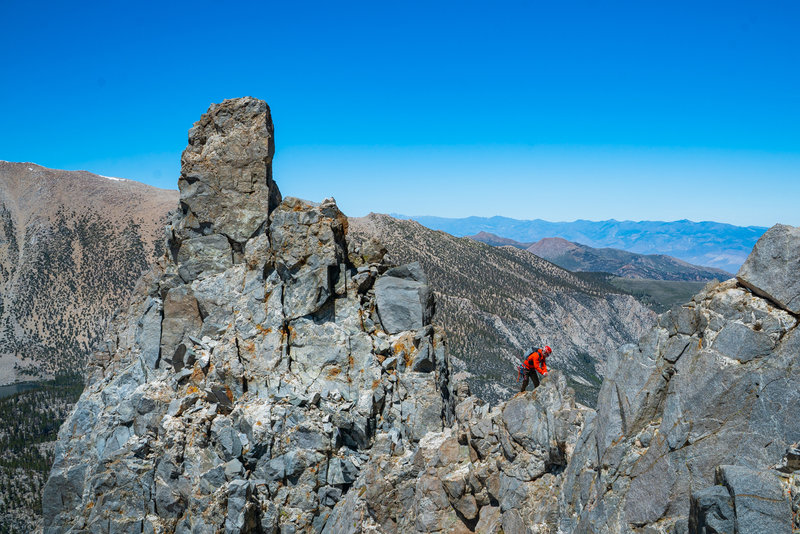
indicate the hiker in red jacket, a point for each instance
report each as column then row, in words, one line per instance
column 536, row 362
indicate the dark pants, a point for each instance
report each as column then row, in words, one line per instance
column 529, row 374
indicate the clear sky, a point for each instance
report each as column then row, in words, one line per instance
column 553, row 110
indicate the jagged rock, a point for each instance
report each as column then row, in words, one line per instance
column 445, row 486
column 245, row 388
column 759, row 500
column 226, row 171
column 295, row 391
column 771, row 269
column 307, row 240
column 711, row 511
column 711, row 385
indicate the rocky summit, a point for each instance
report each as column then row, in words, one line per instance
column 256, row 369
column 268, row 378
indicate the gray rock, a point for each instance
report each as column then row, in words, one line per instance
column 424, row 360
column 226, row 171
column 711, row 511
column 771, row 269
column 341, row 471
column 677, row 406
column 759, row 501
column 742, row 343
column 307, row 240
column 181, row 319
column 404, row 299
column 329, row 495
column 204, row 256
column 178, row 406
column 233, row 468
column 241, row 515
column 148, row 334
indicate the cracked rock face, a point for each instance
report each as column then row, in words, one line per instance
column 715, row 384
column 226, row 172
column 250, row 379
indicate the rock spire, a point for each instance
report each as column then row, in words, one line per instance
column 256, row 369
column 226, row 181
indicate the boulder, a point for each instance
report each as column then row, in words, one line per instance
column 404, row 299
column 759, row 500
column 771, row 268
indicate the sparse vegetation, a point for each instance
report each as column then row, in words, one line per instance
column 496, row 302
column 69, row 258
column 79, row 271
column 29, row 423
column 658, row 295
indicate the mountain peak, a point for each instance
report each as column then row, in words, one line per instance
column 257, row 367
column 226, row 181
column 552, row 246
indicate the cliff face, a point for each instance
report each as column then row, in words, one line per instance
column 709, row 396
column 256, row 367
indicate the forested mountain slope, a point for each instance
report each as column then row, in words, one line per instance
column 72, row 244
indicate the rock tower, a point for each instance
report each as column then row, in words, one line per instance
column 256, row 368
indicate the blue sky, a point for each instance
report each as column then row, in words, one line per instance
column 553, row 110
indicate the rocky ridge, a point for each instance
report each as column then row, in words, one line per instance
column 695, row 431
column 256, row 367
column 282, row 381
column 697, row 415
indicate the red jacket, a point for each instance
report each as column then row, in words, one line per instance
column 536, row 360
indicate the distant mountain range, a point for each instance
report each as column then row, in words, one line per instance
column 710, row 244
column 581, row 258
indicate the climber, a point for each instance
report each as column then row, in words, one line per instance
column 536, row 362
